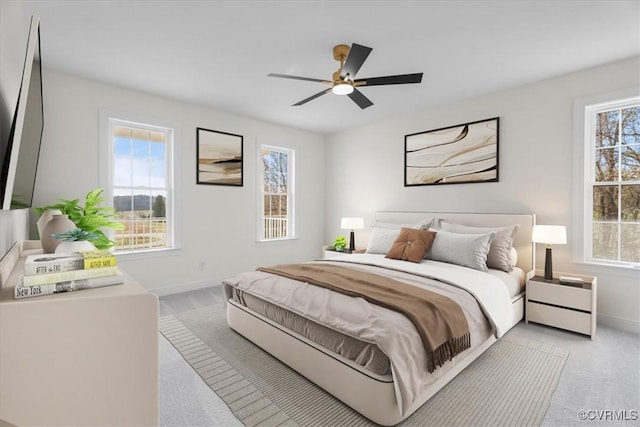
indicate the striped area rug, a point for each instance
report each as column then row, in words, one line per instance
column 511, row 384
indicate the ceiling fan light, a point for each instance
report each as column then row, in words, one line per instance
column 342, row 89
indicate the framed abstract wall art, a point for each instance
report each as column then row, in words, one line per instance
column 219, row 157
column 466, row 153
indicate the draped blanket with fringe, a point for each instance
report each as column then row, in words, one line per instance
column 438, row 319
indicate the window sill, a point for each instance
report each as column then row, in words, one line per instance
column 275, row 242
column 622, row 270
column 148, row 254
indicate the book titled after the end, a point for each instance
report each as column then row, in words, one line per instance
column 56, row 263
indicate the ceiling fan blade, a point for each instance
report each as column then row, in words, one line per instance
column 362, row 101
column 390, row 80
column 286, row 76
column 357, row 55
column 312, row 97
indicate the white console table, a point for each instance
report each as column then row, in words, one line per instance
column 87, row 357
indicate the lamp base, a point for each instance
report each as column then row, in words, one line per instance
column 548, row 265
column 352, row 241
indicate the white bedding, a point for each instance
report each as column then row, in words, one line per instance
column 489, row 289
column 369, row 322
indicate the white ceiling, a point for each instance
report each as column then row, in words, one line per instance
column 218, row 53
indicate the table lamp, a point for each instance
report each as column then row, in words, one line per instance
column 352, row 224
column 550, row 235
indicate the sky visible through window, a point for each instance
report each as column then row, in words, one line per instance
column 139, row 163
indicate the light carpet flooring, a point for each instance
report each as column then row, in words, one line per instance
column 600, row 375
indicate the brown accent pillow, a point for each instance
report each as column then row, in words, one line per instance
column 411, row 244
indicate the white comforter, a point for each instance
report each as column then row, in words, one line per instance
column 371, row 323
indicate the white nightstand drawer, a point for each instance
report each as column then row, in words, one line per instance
column 559, row 317
column 565, row 296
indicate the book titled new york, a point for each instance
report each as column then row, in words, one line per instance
column 68, row 286
column 64, row 276
column 56, row 263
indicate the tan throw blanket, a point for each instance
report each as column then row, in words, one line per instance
column 439, row 320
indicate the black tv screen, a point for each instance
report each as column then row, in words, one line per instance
column 19, row 155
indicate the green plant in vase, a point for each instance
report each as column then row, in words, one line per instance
column 340, row 243
column 89, row 218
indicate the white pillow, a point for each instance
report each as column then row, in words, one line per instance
column 422, row 225
column 499, row 254
column 468, row 250
column 382, row 239
column 513, row 257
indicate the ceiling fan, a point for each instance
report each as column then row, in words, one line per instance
column 343, row 81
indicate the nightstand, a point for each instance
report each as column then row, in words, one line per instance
column 330, row 252
column 563, row 306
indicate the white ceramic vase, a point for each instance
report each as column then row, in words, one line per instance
column 58, row 224
column 77, row 246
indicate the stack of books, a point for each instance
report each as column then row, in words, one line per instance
column 47, row 274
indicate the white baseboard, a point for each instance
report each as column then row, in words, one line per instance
column 186, row 287
column 618, row 323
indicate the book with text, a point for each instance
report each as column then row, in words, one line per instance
column 68, row 286
column 63, row 276
column 56, row 263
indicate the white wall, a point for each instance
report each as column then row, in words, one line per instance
column 13, row 45
column 365, row 170
column 218, row 222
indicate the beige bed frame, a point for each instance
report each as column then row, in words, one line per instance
column 369, row 395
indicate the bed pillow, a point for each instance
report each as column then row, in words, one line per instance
column 468, row 250
column 499, row 256
column 411, row 244
column 422, row 225
column 513, row 257
column 381, row 239
column 383, row 235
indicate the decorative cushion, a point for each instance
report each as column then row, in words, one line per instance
column 468, row 250
column 499, row 256
column 411, row 244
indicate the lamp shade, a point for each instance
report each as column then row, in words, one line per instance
column 352, row 223
column 549, row 234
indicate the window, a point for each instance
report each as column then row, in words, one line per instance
column 612, row 184
column 141, row 185
column 276, row 215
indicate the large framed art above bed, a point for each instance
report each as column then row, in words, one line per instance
column 384, row 332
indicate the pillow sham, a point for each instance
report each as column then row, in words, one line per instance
column 383, row 234
column 513, row 257
column 499, row 256
column 411, row 244
column 381, row 239
column 468, row 250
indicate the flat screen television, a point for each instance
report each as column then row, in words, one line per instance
column 19, row 154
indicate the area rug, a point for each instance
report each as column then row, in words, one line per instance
column 511, row 384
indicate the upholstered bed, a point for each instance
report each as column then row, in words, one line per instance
column 368, row 356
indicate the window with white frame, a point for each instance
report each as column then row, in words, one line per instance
column 276, row 207
column 612, row 182
column 141, row 185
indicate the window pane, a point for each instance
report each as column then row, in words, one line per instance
column 631, row 125
column 605, row 203
column 607, row 164
column 122, row 171
column 630, row 242
column 141, row 172
column 156, row 150
column 607, row 128
column 630, row 163
column 158, row 174
column 605, row 240
column 122, row 147
column 630, row 209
